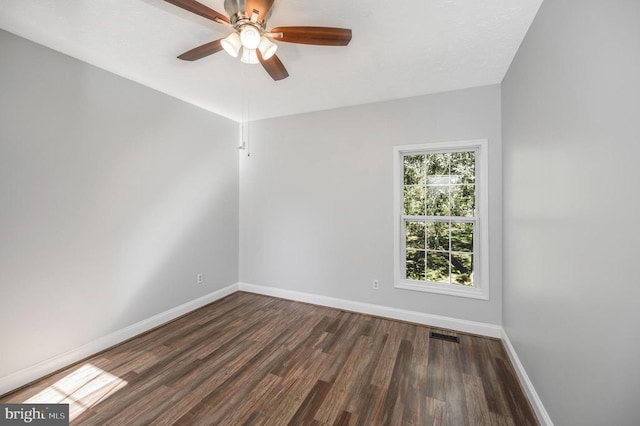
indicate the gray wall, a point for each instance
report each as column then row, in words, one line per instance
column 571, row 135
column 316, row 198
column 112, row 198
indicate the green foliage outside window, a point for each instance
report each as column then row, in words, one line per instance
column 439, row 191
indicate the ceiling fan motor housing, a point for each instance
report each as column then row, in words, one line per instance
column 240, row 18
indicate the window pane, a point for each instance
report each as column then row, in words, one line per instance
column 438, row 168
column 463, row 200
column 415, row 235
column 438, row 236
column 437, row 201
column 462, row 237
column 414, row 200
column 415, row 266
column 463, row 167
column 440, row 216
column 414, row 169
column 438, row 267
column 462, row 269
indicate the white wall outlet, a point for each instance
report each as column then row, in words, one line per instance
column 200, row 278
column 375, row 284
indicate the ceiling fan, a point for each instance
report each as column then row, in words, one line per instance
column 250, row 38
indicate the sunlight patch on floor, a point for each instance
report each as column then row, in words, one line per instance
column 81, row 389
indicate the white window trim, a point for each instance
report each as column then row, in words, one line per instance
column 481, row 238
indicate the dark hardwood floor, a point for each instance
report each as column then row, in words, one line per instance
column 251, row 359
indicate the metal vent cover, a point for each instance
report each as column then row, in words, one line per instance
column 445, row 337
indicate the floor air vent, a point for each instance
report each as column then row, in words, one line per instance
column 445, row 337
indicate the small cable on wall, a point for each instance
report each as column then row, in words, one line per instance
column 245, row 119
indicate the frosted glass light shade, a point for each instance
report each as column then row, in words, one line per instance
column 250, row 37
column 231, row 44
column 267, row 48
column 249, row 56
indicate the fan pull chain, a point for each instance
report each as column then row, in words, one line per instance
column 248, row 124
column 244, row 123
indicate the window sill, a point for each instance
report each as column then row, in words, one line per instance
column 448, row 289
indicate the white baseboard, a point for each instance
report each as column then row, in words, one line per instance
column 34, row 372
column 465, row 326
column 534, row 399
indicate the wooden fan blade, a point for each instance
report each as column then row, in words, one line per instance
column 273, row 66
column 262, row 6
column 202, row 51
column 321, row 36
column 199, row 9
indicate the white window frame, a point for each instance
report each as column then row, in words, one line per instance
column 480, row 289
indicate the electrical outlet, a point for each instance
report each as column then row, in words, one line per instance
column 375, row 284
column 200, row 278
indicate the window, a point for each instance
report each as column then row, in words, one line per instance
column 441, row 218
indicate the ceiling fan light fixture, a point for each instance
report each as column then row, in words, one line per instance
column 250, row 37
column 231, row 44
column 267, row 48
column 249, row 56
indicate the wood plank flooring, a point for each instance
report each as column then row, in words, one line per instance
column 256, row 360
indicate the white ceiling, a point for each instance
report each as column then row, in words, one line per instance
column 399, row 49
